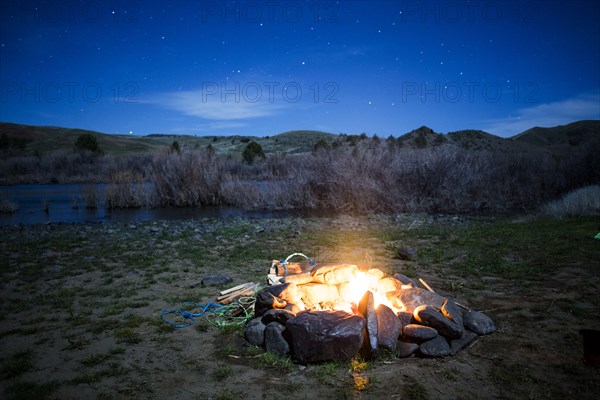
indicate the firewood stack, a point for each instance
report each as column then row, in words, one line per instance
column 230, row 295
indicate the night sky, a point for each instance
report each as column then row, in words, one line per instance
column 264, row 67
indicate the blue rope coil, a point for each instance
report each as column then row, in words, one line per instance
column 205, row 308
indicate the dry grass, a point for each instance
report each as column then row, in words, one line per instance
column 8, row 207
column 578, row 203
column 360, row 176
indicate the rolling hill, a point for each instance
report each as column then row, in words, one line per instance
column 560, row 140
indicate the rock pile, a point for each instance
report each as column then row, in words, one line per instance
column 309, row 316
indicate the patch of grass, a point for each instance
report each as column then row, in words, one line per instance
column 103, row 325
column 17, row 364
column 503, row 375
column 118, row 308
column 133, row 321
column 231, row 329
column 508, row 249
column 294, row 386
column 415, row 391
column 227, row 395
column 222, row 372
column 127, row 335
column 272, row 360
column 95, row 359
column 202, row 326
column 224, row 350
column 113, row 370
column 28, row 390
column 324, row 372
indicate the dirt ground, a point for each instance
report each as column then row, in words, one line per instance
column 81, row 308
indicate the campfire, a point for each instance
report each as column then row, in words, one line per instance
column 336, row 311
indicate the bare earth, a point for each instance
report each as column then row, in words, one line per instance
column 81, row 312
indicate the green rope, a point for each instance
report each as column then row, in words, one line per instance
column 222, row 318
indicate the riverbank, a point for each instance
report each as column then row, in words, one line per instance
column 81, row 306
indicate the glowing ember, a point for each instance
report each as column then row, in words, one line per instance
column 353, row 291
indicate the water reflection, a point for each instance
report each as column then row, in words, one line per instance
column 39, row 204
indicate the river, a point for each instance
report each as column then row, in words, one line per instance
column 44, row 203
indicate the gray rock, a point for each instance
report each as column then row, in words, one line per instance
column 388, row 327
column 409, row 299
column 451, row 311
column 479, row 323
column 216, row 280
column 464, row 342
column 405, row 253
column 418, row 333
column 317, row 336
column 405, row 317
column 255, row 332
column 437, row 347
column 404, row 349
column 274, row 340
column 405, row 280
column 430, row 316
column 366, row 308
column 280, row 316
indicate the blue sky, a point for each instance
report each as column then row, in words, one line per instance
column 264, row 67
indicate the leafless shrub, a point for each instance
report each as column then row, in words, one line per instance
column 89, row 196
column 187, row 179
column 581, row 202
column 369, row 176
column 125, row 190
column 8, row 207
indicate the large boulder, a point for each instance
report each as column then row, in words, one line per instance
column 388, row 327
column 317, row 336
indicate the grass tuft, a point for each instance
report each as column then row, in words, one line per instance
column 28, row 390
column 17, row 364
